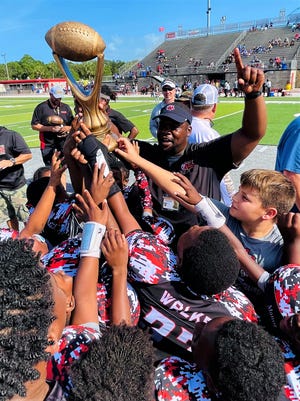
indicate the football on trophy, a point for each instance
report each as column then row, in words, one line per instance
column 55, row 120
column 75, row 41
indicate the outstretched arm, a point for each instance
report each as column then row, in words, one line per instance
column 115, row 250
column 255, row 116
column 39, row 217
column 289, row 226
column 192, row 201
column 133, row 133
column 163, row 178
column 85, row 284
column 78, row 166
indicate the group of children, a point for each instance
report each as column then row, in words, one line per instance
column 102, row 300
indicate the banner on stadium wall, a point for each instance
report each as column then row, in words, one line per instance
column 171, row 35
column 194, row 32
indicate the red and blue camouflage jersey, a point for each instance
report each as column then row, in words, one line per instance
column 6, row 233
column 178, row 380
column 292, row 371
column 168, row 307
column 74, row 342
column 66, row 257
column 61, row 223
column 282, row 294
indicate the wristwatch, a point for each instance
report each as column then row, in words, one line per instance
column 13, row 160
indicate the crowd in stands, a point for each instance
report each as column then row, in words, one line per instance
column 164, row 65
column 295, row 26
column 140, row 282
column 276, row 62
column 261, row 28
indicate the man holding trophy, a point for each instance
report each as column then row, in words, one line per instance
column 52, row 119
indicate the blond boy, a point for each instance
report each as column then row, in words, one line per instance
column 262, row 196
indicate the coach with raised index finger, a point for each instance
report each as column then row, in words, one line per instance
column 204, row 164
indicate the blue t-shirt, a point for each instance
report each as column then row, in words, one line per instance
column 266, row 251
column 288, row 150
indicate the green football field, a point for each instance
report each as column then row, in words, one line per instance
column 16, row 112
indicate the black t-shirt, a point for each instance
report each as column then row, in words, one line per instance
column 45, row 110
column 203, row 164
column 12, row 145
column 168, row 307
column 120, row 121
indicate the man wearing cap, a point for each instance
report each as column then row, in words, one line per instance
column 185, row 98
column 52, row 118
column 120, row 124
column 204, row 164
column 169, row 92
column 14, row 152
column 204, row 106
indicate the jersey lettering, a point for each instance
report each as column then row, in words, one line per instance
column 167, row 298
column 166, row 326
column 173, row 303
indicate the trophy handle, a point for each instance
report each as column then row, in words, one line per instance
column 93, row 117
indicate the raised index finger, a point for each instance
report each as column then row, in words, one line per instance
column 238, row 61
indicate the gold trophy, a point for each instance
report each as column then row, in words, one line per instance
column 75, row 41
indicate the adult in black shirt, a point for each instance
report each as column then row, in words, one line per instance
column 120, row 124
column 14, row 152
column 52, row 132
column 204, row 164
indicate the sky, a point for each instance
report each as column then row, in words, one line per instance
column 129, row 28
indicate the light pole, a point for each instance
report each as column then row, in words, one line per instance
column 208, row 16
column 223, row 20
column 6, row 68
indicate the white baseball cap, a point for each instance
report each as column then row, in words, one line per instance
column 168, row 83
column 205, row 94
column 57, row 91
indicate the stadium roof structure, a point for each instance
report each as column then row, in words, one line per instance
column 222, row 28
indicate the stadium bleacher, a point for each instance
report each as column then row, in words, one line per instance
column 202, row 58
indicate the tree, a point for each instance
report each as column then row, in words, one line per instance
column 52, row 70
column 27, row 64
column 28, row 67
column 15, row 70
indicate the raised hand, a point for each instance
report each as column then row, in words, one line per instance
column 70, row 142
column 58, row 167
column 129, row 151
column 289, row 226
column 78, row 156
column 101, row 185
column 81, row 132
column 250, row 79
column 115, row 249
column 91, row 210
column 191, row 196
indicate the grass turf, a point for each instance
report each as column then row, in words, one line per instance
column 16, row 112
